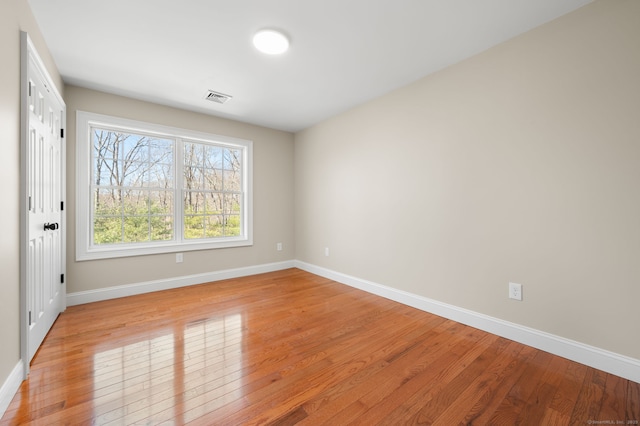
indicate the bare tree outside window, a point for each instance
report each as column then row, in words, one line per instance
column 133, row 187
column 158, row 189
column 212, row 191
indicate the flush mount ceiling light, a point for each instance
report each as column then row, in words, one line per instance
column 271, row 42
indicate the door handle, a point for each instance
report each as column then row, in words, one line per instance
column 51, row 226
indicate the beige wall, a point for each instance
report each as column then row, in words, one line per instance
column 520, row 164
column 15, row 16
column 273, row 197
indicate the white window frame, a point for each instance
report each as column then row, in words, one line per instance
column 85, row 250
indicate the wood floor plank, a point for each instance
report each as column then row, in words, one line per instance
column 292, row 348
column 486, row 382
column 554, row 418
column 339, row 343
column 614, row 404
column 484, row 409
column 387, row 405
column 508, row 412
column 632, row 413
column 589, row 401
column 449, row 391
column 542, row 396
column 343, row 362
column 388, row 374
column 566, row 396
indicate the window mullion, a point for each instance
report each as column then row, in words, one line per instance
column 178, row 196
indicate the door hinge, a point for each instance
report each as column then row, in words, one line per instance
column 61, row 278
column 29, row 202
column 29, row 88
column 29, row 317
column 61, row 205
column 62, row 133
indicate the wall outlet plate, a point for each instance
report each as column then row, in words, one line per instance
column 515, row 291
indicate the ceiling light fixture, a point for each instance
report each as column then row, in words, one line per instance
column 271, row 42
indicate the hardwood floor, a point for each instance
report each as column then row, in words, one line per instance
column 290, row 348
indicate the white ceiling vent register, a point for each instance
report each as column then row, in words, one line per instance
column 216, row 97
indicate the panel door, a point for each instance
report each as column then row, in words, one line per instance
column 44, row 191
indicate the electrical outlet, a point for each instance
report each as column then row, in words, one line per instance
column 515, row 291
column 326, row 251
column 179, row 258
column 279, row 246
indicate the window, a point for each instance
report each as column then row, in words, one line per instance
column 144, row 188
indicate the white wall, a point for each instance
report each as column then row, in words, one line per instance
column 520, row 164
column 15, row 16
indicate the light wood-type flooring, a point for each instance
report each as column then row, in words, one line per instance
column 290, row 347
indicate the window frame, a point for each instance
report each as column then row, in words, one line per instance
column 85, row 250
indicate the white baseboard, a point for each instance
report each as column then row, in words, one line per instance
column 10, row 387
column 81, row 297
column 610, row 362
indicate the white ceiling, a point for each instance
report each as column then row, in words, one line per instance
column 343, row 52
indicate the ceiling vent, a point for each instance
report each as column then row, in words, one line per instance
column 216, row 97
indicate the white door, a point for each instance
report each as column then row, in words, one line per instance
column 44, row 219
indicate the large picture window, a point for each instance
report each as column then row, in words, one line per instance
column 144, row 188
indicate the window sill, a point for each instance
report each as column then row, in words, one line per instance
column 97, row 253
